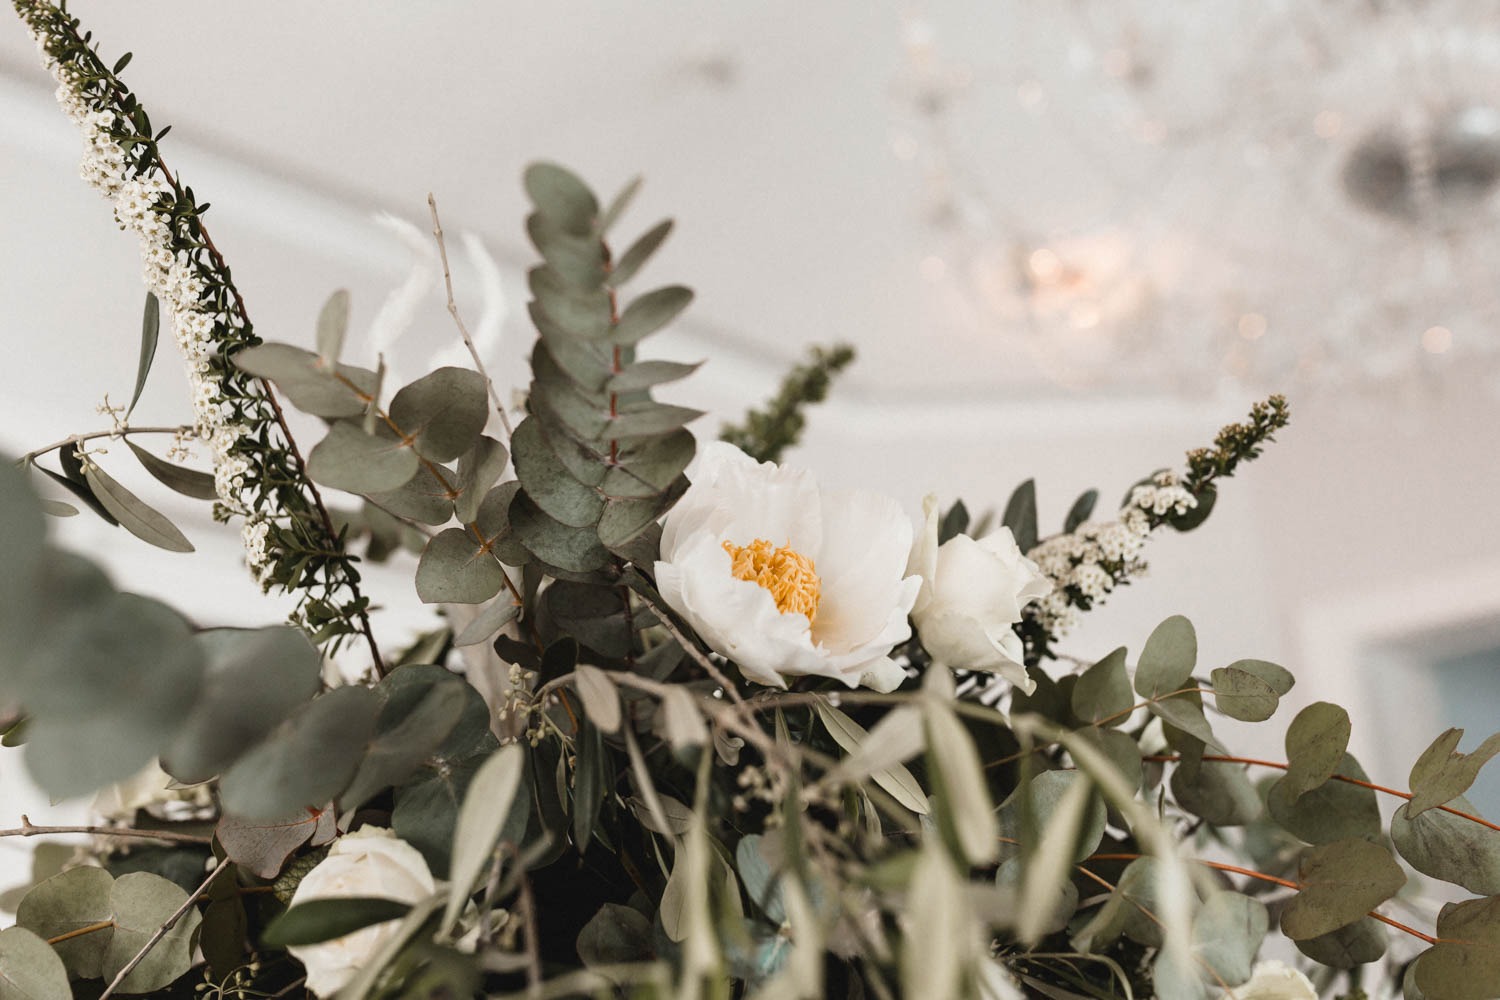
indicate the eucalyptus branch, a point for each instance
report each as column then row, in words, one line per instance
column 463, row 331
column 219, row 868
column 29, row 829
column 32, row 456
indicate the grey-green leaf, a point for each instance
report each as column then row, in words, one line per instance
column 478, row 469
column 1103, row 691
column 962, row 792
column 559, row 194
column 188, row 482
column 600, row 698
column 896, row 780
column 333, row 323
column 142, row 903
column 30, row 969
column 150, row 332
column 68, row 902
column 1315, row 744
column 1167, row 659
column 1227, row 932
column 141, row 520
column 480, row 819
column 1242, row 695
column 638, row 253
column 1359, row 943
column 455, row 569
column 1441, row 773
column 349, row 459
column 649, row 313
column 311, row 386
column 1020, row 515
column 443, row 412
column 1341, row 882
column 1449, row 847
column 491, row 619
column 1332, row 811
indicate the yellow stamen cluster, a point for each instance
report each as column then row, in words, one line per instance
column 789, row 575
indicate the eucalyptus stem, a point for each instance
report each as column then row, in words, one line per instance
column 29, row 829
column 219, row 868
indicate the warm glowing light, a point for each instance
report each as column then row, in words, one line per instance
column 1328, row 124
column 1044, row 265
column 1252, row 326
column 1085, row 316
column 1437, row 339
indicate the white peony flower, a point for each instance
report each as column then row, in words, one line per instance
column 784, row 578
column 1275, row 981
column 371, row 861
column 972, row 593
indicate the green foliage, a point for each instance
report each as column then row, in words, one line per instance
column 767, row 433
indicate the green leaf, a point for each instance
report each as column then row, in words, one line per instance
column 254, row 679
column 1227, row 932
column 1103, row 691
column 406, row 737
column 616, row 935
column 655, row 420
column 349, row 459
column 600, row 698
column 574, row 263
column 1186, row 713
column 1218, row 792
column 1080, row 511
column 273, row 779
column 645, row 374
column 79, row 488
column 548, row 483
column 1341, row 882
column 478, row 468
column 424, row 497
column 1465, row 963
column 1020, row 515
column 636, row 255
column 1332, row 811
column 444, row 412
column 311, row 386
column 150, row 332
column 333, row 323
column 455, row 569
column 1449, row 847
column 1242, row 695
column 649, row 313
column 573, row 549
column 486, row 805
column 593, row 778
column 558, row 194
column 188, row 482
column 1167, row 659
column 681, row 719
column 625, row 520
column 896, row 780
column 1054, row 848
column 23, row 533
column 620, row 203
column 142, row 903
column 1197, row 515
column 1441, row 774
column 325, row 919
column 1029, row 812
column 57, row 508
column 137, row 518
column 491, row 619
column 262, row 847
column 30, row 969
column 1359, row 943
column 71, row 901
column 1315, row 745
column 959, row 786
column 1278, row 678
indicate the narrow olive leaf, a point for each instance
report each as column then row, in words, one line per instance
column 681, row 719
column 1167, row 659
column 142, row 904
column 1465, row 963
column 963, row 794
column 64, row 903
column 1359, row 943
column 636, row 255
column 1315, row 745
column 896, row 780
column 1332, row 811
column 333, row 323
column 57, row 508
column 150, row 332
column 490, row 620
column 455, row 569
column 1340, row 883
column 1103, row 691
column 480, row 820
column 188, row 482
column 649, row 313
column 600, row 699
column 559, row 194
column 621, row 202
column 140, row 520
column 932, row 956
column 1242, row 695
column 678, row 817
column 1227, row 932
column 1020, row 515
column 1051, row 862
column 349, row 459
column 1450, row 847
column 325, row 919
column 74, row 483
column 1080, row 511
column 1441, row 774
column 30, row 969
column 896, row 738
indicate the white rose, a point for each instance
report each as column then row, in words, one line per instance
column 1275, row 981
column 371, row 861
column 972, row 593
column 784, row 578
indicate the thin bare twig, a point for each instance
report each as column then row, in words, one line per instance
column 119, row 432
column 463, row 331
column 29, row 829
column 709, row 667
column 533, row 939
column 161, row 932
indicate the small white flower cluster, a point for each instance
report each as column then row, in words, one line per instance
column 1092, row 560
column 174, row 277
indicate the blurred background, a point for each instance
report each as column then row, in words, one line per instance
column 1069, row 240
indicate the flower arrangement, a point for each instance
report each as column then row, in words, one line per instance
column 758, row 737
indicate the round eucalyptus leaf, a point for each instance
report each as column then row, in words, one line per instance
column 349, row 459
column 548, row 482
column 254, row 679
column 1332, row 811
column 142, row 903
column 1315, row 745
column 312, row 386
column 1103, row 691
column 1465, row 963
column 1449, row 847
column 454, row 569
column 1340, row 883
column 576, row 550
column 478, row 468
column 1227, row 932
column 615, row 935
column 1242, row 695
column 1219, row 792
column 444, row 412
column 1359, row 943
column 423, row 497
column 403, row 742
column 1167, row 659
column 275, row 779
column 30, row 969
column 68, row 902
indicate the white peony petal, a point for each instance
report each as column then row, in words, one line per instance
column 923, row 559
column 884, row 675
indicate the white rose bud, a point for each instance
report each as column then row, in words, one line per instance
column 372, row 862
column 972, row 593
column 1275, row 981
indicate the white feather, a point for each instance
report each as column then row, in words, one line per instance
column 400, row 306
